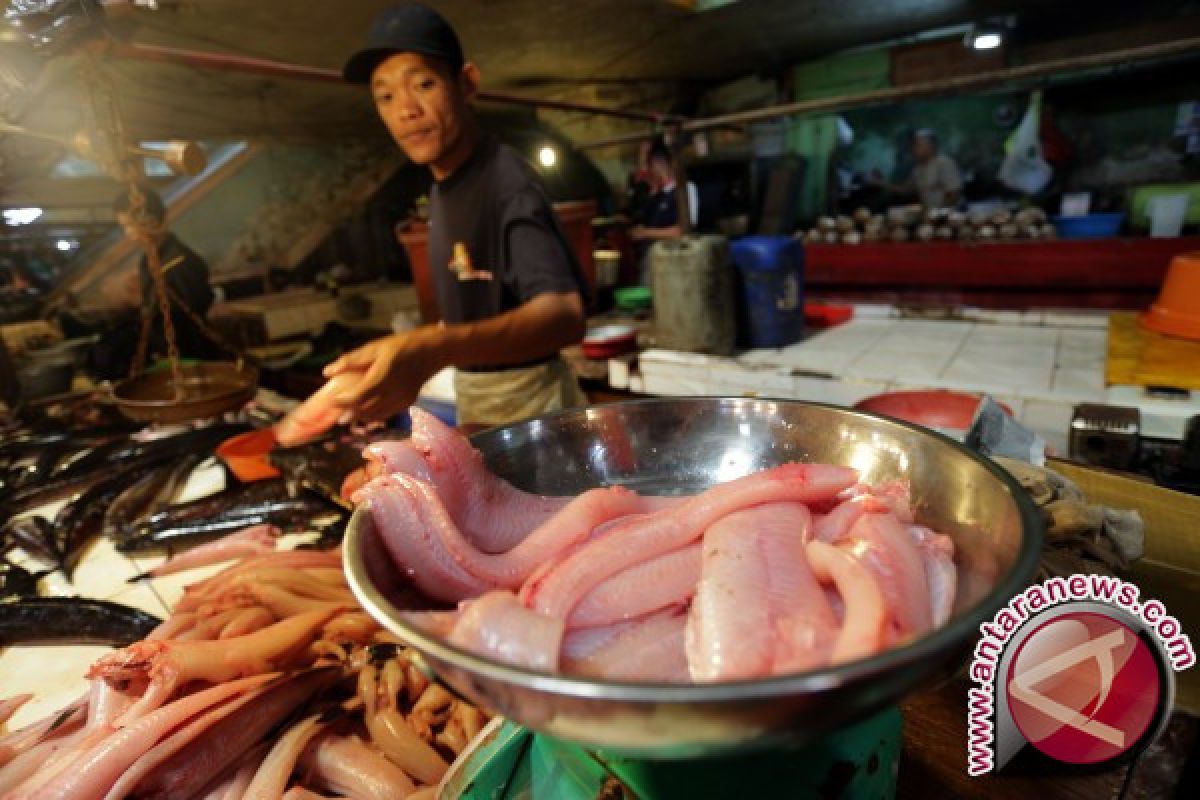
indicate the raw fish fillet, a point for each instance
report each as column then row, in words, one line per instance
column 884, row 546
column 419, row 531
column 653, row 535
column 758, row 609
column 660, row 582
column 864, row 612
column 317, row 414
column 496, row 625
column 650, row 649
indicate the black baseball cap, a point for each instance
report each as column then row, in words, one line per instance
column 407, row 28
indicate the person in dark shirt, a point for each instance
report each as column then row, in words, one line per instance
column 508, row 287
column 185, row 272
column 659, row 217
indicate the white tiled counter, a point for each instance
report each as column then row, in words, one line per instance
column 1040, row 364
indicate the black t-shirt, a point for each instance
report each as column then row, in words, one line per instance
column 187, row 275
column 493, row 211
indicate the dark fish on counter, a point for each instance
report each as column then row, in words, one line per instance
column 321, row 466
column 329, row 537
column 90, row 468
column 220, row 518
column 43, row 464
column 36, row 536
column 73, row 620
column 134, row 499
column 241, row 500
column 80, row 520
column 16, row 581
column 149, row 493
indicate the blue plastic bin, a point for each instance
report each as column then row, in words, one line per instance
column 772, row 298
column 1090, row 226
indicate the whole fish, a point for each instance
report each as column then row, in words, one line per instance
column 199, row 439
column 149, row 493
column 83, row 518
column 16, row 581
column 73, row 620
column 289, row 513
column 43, row 464
column 90, row 468
column 36, row 536
column 239, row 500
column 134, row 499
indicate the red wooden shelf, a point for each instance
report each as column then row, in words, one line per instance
column 1092, row 273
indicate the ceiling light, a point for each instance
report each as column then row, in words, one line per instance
column 548, row 156
column 986, row 35
column 21, row 216
column 987, row 40
column 63, row 245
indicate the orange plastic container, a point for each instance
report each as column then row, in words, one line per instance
column 1176, row 312
column 246, row 455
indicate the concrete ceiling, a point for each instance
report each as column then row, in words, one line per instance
column 651, row 54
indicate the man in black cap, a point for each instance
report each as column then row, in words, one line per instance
column 508, row 287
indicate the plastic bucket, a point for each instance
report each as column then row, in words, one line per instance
column 1167, row 213
column 772, row 297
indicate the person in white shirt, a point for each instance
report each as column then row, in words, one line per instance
column 935, row 178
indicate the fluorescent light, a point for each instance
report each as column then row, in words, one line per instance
column 986, row 40
column 21, row 216
column 64, row 245
column 548, row 156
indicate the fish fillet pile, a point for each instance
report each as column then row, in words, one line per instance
column 788, row 569
column 267, row 682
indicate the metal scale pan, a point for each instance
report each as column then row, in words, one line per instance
column 686, row 445
column 210, row 388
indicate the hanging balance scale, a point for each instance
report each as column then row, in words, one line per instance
column 182, row 392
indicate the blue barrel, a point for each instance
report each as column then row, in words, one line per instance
column 772, row 282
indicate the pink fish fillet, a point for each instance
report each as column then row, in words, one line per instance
column 253, row 541
column 446, row 547
column 729, row 633
column 660, row 582
column 497, row 626
column 410, row 531
column 893, row 496
column 581, row 643
column 938, row 552
column 655, row 534
column 884, row 546
column 492, row 513
column 651, row 649
column 804, row 625
column 317, row 414
column 864, row 614
column 758, row 609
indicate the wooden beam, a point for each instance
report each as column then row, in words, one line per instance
column 247, row 65
column 1077, row 65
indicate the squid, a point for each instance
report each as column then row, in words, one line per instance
column 171, row 664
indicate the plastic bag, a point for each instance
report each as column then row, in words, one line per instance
column 1024, row 168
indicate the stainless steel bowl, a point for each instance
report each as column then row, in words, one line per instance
column 686, row 445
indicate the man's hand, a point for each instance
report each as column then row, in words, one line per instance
column 394, row 369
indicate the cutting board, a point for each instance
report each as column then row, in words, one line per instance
column 1138, row 357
